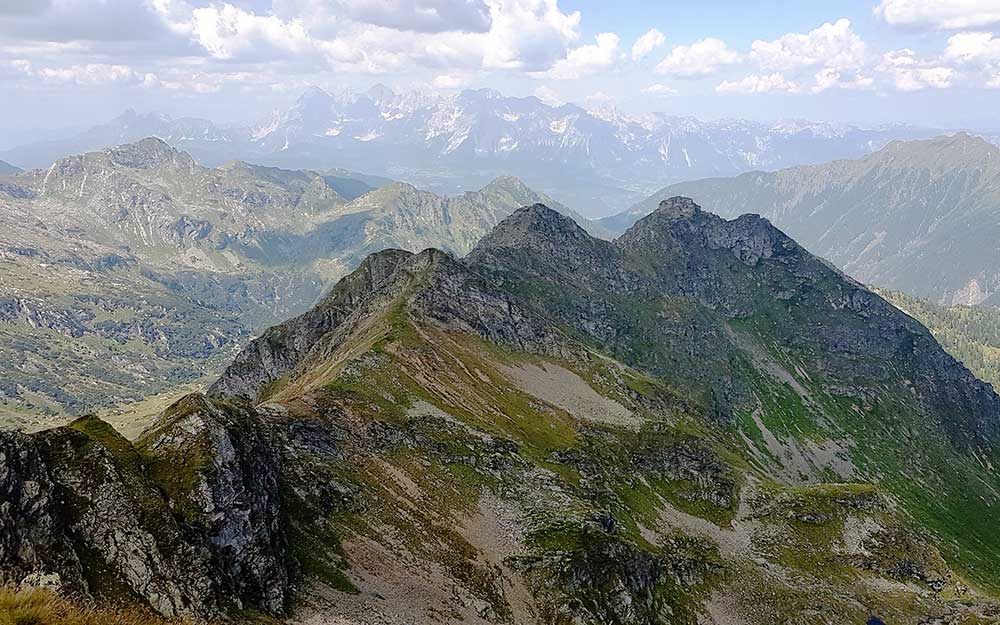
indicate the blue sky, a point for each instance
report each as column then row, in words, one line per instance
column 76, row 62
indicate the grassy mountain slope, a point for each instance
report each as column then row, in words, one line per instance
column 699, row 422
column 746, row 411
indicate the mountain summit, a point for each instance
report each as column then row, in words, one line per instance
column 698, row 422
column 915, row 216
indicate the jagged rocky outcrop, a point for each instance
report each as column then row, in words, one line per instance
column 558, row 273
column 222, row 474
column 379, row 278
column 32, row 537
column 188, row 521
column 116, row 533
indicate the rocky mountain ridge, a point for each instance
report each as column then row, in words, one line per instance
column 698, row 422
column 915, row 216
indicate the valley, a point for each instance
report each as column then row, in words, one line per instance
column 129, row 272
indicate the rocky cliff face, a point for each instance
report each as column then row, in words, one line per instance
column 188, row 521
column 699, row 422
column 32, row 533
column 222, row 475
column 116, row 531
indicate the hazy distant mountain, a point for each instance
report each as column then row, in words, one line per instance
column 594, row 160
column 597, row 161
column 200, row 137
column 159, row 266
column 922, row 217
column 7, row 168
column 352, row 184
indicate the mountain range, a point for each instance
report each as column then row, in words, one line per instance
column 599, row 161
column 921, row 217
column 129, row 271
column 698, row 422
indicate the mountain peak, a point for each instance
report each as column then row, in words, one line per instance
column 965, row 141
column 529, row 222
column 392, row 196
column 539, row 236
column 314, row 92
column 380, row 92
column 7, row 169
column 148, row 153
column 396, row 188
column 127, row 114
column 946, row 151
column 484, row 93
column 680, row 224
column 130, row 116
column 506, row 183
column 678, row 207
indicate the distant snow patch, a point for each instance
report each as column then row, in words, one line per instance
column 559, row 126
column 371, row 135
column 507, row 144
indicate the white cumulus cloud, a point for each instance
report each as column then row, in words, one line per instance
column 908, row 73
column 832, row 45
column 227, row 31
column 829, row 78
column 588, row 59
column 647, row 43
column 757, row 83
column 659, row 89
column 973, row 47
column 528, row 34
column 924, row 77
column 702, row 58
column 421, row 15
column 92, row 74
column 939, row 14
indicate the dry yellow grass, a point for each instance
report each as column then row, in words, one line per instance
column 33, row 606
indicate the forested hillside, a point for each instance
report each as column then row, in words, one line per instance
column 971, row 334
